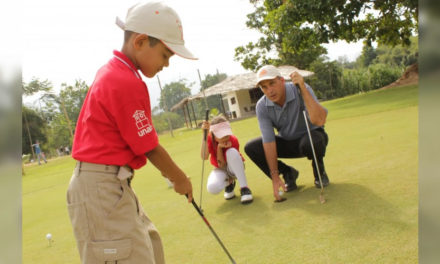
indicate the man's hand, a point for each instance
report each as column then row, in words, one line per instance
column 277, row 183
column 297, row 79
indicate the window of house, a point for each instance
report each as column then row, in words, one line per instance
column 233, row 100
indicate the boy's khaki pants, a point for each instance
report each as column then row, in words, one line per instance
column 108, row 222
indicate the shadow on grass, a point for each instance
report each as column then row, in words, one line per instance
column 354, row 206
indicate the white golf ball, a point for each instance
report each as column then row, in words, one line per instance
column 49, row 236
column 280, row 193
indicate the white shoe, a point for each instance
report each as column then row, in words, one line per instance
column 246, row 195
column 229, row 191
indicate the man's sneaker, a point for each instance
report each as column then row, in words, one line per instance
column 229, row 191
column 325, row 181
column 290, row 179
column 246, row 195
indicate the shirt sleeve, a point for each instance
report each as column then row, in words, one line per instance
column 309, row 88
column 136, row 127
column 265, row 123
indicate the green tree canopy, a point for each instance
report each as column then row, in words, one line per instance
column 37, row 129
column 173, row 93
column 295, row 29
column 35, row 86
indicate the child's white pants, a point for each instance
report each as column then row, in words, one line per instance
column 218, row 178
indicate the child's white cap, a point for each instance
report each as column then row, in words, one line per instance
column 160, row 21
column 221, row 129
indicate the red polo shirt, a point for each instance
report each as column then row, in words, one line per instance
column 114, row 126
column 212, row 148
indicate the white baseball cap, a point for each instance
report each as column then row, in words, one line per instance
column 267, row 72
column 221, row 129
column 160, row 21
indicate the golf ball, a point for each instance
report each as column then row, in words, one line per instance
column 280, row 192
column 49, row 236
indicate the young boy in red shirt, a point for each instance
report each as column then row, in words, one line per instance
column 115, row 136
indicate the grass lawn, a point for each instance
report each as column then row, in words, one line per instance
column 370, row 215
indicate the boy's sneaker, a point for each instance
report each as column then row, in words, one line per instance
column 229, row 191
column 290, row 179
column 246, row 195
column 325, row 181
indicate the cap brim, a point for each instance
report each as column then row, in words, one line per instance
column 223, row 132
column 180, row 50
column 266, row 78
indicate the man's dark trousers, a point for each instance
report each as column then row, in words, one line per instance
column 297, row 148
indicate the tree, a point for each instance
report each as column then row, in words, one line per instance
column 292, row 44
column 213, row 101
column 326, row 80
column 36, row 86
column 295, row 28
column 173, row 93
column 37, row 129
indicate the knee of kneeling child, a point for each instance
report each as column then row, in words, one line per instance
column 232, row 153
column 214, row 188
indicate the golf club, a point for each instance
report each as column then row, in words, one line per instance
column 321, row 195
column 205, row 133
column 212, row 230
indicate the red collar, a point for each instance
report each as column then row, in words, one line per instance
column 127, row 62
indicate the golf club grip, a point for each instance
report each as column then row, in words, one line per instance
column 205, row 132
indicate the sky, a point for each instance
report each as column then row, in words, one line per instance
column 68, row 40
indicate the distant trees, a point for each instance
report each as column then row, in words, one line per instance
column 53, row 123
column 374, row 68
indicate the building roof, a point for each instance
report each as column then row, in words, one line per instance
column 244, row 81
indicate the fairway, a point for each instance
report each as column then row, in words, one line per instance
column 370, row 215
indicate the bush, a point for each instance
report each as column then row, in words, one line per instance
column 382, row 75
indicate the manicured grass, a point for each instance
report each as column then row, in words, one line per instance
column 370, row 215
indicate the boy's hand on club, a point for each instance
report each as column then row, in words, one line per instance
column 183, row 186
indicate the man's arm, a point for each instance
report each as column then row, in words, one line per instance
column 163, row 162
column 270, row 151
column 316, row 112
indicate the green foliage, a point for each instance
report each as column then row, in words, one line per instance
column 173, row 93
column 37, row 129
column 295, row 29
column 35, row 86
column 382, row 75
column 326, row 80
column 160, row 121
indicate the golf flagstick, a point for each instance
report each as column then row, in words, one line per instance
column 212, row 230
column 302, row 106
column 205, row 133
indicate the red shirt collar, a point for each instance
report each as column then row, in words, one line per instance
column 121, row 56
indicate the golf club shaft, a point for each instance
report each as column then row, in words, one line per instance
column 205, row 133
column 212, row 231
column 310, row 137
column 313, row 149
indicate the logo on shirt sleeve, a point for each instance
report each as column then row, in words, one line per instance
column 142, row 123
